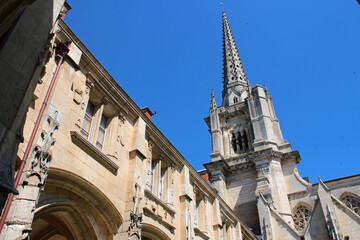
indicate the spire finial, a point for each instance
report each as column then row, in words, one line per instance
column 235, row 80
column 222, row 7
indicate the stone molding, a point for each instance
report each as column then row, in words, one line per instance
column 200, row 233
column 157, row 200
column 94, row 152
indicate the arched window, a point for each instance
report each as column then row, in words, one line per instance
column 301, row 216
column 352, row 202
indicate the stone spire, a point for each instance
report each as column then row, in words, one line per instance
column 236, row 85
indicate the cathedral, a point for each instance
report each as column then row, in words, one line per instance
column 81, row 160
column 254, row 168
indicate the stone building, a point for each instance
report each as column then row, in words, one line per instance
column 254, row 168
column 98, row 168
column 26, row 27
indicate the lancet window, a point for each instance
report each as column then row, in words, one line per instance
column 352, row 202
column 301, row 216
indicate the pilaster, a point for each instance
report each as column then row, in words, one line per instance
column 135, row 194
column 186, row 227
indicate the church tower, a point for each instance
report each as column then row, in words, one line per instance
column 249, row 154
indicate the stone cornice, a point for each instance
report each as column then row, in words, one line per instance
column 293, row 156
column 247, row 161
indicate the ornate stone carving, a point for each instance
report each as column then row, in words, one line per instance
column 42, row 153
column 78, row 123
column 89, row 83
column 45, row 55
column 135, row 215
column 121, row 117
column 77, row 95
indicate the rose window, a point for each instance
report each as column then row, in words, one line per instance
column 301, row 217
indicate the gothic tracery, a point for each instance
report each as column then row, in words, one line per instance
column 352, row 202
column 301, row 216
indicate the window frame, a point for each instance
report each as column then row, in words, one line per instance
column 100, row 128
column 346, row 197
column 82, row 130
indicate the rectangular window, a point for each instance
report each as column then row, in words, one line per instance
column 88, row 118
column 153, row 169
column 161, row 183
column 102, row 132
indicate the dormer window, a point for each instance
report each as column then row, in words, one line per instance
column 235, row 99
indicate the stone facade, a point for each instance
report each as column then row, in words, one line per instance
column 254, row 168
column 100, row 169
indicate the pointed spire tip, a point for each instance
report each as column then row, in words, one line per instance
column 222, row 7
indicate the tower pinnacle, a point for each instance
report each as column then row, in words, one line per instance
column 236, row 85
column 213, row 102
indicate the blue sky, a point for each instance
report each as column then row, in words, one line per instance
column 167, row 55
